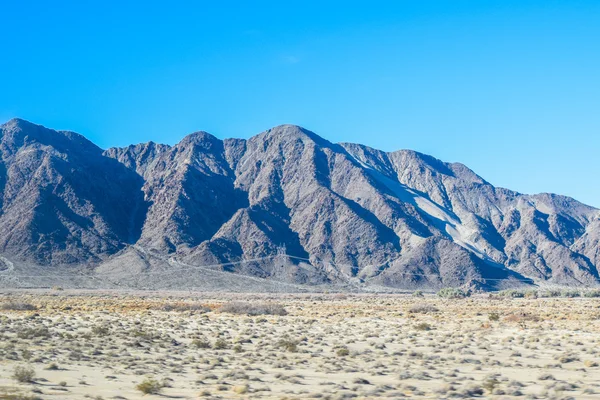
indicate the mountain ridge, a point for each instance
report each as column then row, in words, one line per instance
column 399, row 219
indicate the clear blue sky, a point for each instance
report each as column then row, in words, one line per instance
column 510, row 88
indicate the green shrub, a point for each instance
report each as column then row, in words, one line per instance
column 342, row 352
column 221, row 344
column 550, row 293
column 452, row 293
column 494, row 316
column 201, row 344
column 591, row 293
column 512, row 293
column 570, row 293
column 418, row 293
column 150, row 386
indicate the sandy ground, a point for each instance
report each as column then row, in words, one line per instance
column 101, row 346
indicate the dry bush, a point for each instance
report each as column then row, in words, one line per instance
column 289, row 345
column 150, row 386
column 185, row 307
column 221, row 344
column 423, row 326
column 423, row 309
column 245, row 308
column 23, row 374
column 18, row 306
column 100, row 330
column 32, row 333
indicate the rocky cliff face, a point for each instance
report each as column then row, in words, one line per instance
column 339, row 212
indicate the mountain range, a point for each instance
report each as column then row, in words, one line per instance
column 284, row 209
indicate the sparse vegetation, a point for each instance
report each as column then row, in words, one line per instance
column 18, row 306
column 359, row 346
column 452, row 293
column 180, row 307
column 512, row 293
column 423, row 309
column 239, row 307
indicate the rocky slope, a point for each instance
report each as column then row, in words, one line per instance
column 284, row 206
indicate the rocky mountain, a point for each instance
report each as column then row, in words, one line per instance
column 284, row 206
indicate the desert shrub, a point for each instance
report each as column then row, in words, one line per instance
column 57, row 288
column 591, row 293
column 342, row 352
column 26, row 354
column 423, row 326
column 18, row 396
column 100, row 330
column 423, row 309
column 240, row 389
column 245, row 308
column 570, row 293
column 490, row 383
column 531, row 294
column 150, row 386
column 145, row 335
column 494, row 316
column 23, row 374
column 452, row 293
column 550, row 293
column 52, row 367
column 201, row 344
column 418, row 293
column 18, row 306
column 512, row 293
column 289, row 345
column 221, row 344
column 185, row 307
column 32, row 333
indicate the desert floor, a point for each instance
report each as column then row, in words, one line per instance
column 328, row 346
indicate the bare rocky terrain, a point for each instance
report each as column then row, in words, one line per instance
column 125, row 345
column 285, row 210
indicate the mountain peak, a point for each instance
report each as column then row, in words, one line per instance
column 18, row 123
